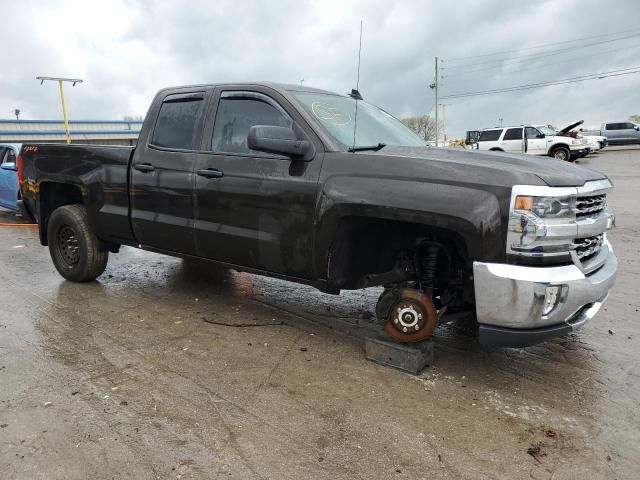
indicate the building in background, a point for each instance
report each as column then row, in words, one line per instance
column 107, row 132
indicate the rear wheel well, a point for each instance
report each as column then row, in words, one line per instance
column 366, row 251
column 53, row 196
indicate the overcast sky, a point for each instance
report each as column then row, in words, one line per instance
column 126, row 50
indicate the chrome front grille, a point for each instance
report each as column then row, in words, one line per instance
column 590, row 206
column 588, row 247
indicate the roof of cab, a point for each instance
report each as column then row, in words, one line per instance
column 283, row 88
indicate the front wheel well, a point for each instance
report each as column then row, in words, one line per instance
column 53, row 196
column 495, row 149
column 365, row 252
column 557, row 146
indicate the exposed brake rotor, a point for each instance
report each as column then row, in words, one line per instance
column 413, row 318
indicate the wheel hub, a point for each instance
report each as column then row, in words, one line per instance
column 69, row 245
column 407, row 318
column 413, row 317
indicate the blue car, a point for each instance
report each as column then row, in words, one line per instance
column 9, row 190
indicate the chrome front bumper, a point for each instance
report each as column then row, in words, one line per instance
column 510, row 299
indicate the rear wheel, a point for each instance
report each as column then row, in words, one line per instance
column 75, row 250
column 561, row 153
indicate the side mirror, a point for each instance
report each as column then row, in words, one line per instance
column 636, row 128
column 9, row 166
column 540, row 135
column 279, row 140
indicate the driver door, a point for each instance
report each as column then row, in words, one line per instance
column 535, row 145
column 254, row 209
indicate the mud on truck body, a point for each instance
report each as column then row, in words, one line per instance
column 272, row 179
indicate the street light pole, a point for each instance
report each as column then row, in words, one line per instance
column 73, row 81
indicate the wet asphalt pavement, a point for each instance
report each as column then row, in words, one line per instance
column 164, row 369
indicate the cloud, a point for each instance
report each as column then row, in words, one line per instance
column 127, row 50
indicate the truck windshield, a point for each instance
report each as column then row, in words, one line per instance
column 336, row 115
column 547, row 130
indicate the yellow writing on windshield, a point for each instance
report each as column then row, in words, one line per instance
column 330, row 114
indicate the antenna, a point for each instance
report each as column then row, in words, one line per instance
column 356, row 94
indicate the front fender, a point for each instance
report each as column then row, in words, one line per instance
column 473, row 212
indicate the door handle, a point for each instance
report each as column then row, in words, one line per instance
column 144, row 167
column 210, row 173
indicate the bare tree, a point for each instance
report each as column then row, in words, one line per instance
column 635, row 118
column 424, row 126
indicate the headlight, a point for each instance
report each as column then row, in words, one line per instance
column 542, row 224
column 546, row 207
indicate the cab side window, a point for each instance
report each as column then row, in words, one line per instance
column 176, row 123
column 234, row 118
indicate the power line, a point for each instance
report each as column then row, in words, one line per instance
column 593, row 76
column 540, row 55
column 544, row 64
column 542, row 46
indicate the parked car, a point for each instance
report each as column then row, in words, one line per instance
column 617, row 133
column 9, row 190
column 529, row 140
column 267, row 178
column 589, row 147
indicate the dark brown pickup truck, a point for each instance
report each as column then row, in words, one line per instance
column 328, row 190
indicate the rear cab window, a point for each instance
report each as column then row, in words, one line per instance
column 176, row 122
column 490, row 135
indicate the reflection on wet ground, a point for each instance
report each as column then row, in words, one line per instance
column 169, row 369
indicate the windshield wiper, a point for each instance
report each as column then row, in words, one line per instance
column 364, row 148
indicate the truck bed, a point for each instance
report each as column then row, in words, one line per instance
column 103, row 173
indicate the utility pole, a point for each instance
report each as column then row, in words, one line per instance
column 436, row 90
column 500, row 119
column 73, row 81
column 444, row 119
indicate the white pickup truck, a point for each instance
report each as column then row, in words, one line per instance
column 529, row 140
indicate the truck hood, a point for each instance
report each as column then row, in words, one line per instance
column 505, row 168
column 570, row 127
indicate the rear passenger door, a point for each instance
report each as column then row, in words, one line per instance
column 512, row 141
column 255, row 209
column 615, row 132
column 162, row 174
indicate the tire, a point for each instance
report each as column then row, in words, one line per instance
column 561, row 153
column 74, row 248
